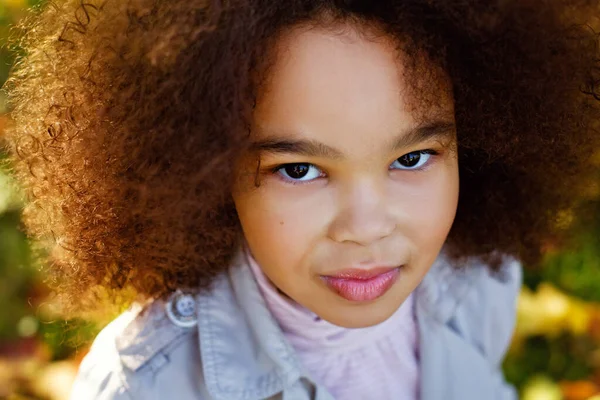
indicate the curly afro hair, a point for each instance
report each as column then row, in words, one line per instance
column 127, row 116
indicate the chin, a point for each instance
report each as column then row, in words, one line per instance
column 360, row 316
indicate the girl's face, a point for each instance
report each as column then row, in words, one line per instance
column 355, row 192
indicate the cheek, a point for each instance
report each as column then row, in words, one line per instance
column 281, row 224
column 430, row 208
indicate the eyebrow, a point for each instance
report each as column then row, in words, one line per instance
column 312, row 148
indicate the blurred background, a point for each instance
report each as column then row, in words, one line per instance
column 555, row 352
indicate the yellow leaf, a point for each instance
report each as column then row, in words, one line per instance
column 14, row 3
column 541, row 388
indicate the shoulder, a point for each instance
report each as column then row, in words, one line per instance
column 138, row 353
column 476, row 303
column 101, row 373
column 486, row 315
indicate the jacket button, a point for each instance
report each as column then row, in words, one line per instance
column 181, row 309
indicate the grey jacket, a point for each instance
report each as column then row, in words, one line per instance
column 236, row 350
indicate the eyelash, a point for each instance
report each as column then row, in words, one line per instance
column 276, row 170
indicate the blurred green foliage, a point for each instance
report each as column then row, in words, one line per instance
column 26, row 313
column 16, row 272
column 565, row 357
column 15, row 275
column 576, row 271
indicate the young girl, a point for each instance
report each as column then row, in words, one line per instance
column 278, row 182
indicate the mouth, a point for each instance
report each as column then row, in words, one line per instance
column 359, row 285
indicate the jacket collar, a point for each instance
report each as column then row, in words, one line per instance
column 228, row 348
column 445, row 286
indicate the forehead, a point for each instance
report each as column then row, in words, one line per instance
column 327, row 81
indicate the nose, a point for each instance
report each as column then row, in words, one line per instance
column 363, row 215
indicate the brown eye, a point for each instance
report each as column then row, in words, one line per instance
column 296, row 171
column 299, row 172
column 412, row 160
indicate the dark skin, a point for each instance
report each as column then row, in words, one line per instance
column 129, row 119
column 360, row 178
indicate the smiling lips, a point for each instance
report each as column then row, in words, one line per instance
column 362, row 285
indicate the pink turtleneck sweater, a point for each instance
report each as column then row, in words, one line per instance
column 378, row 362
